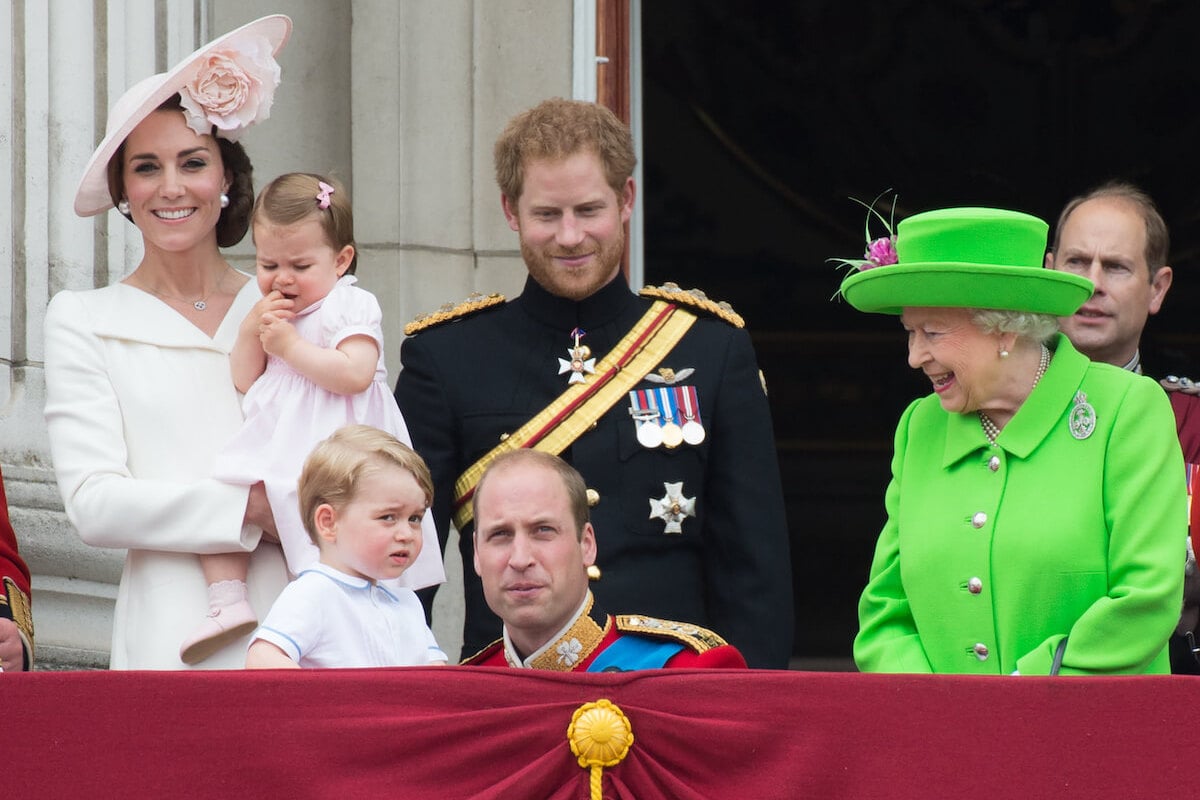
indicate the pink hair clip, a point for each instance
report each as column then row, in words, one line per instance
column 323, row 195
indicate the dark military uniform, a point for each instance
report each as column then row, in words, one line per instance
column 468, row 382
column 599, row 642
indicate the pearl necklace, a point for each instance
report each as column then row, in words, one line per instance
column 200, row 304
column 990, row 429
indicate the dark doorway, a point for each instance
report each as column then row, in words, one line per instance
column 761, row 119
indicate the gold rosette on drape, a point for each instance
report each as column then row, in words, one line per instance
column 600, row 736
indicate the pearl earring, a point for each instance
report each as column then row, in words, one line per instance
column 1004, row 354
column 123, row 207
column 224, row 200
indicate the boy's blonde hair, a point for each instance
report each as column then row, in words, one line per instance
column 292, row 197
column 335, row 467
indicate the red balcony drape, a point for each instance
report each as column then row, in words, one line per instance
column 486, row 733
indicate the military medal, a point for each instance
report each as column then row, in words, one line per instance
column 1082, row 421
column 672, row 434
column 580, row 362
column 693, row 430
column 649, row 434
column 672, row 508
column 646, row 417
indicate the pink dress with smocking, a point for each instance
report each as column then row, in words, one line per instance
column 287, row 415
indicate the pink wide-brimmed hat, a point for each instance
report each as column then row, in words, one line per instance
column 228, row 84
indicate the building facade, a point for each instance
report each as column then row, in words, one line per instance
column 402, row 101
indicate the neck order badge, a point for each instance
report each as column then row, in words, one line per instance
column 581, row 363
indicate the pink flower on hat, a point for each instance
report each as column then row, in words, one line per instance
column 233, row 88
column 881, row 252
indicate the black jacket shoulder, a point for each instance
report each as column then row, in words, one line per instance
column 475, row 303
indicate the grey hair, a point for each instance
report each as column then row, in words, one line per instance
column 1038, row 327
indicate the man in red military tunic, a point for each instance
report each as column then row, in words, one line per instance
column 16, row 622
column 533, row 547
column 1115, row 237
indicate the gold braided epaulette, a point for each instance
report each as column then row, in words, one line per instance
column 696, row 299
column 695, row 637
column 482, row 654
column 475, row 302
column 18, row 608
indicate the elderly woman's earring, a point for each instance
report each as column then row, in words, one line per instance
column 123, row 207
column 224, row 200
column 1003, row 353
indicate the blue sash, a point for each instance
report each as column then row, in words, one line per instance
column 634, row 652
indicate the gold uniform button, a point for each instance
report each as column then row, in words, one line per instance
column 593, row 573
column 593, row 498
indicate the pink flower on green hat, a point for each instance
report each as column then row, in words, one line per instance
column 233, row 89
column 881, row 252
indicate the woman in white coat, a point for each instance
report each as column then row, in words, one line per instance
column 139, row 395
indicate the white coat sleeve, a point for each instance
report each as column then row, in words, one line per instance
column 103, row 500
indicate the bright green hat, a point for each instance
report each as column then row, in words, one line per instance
column 968, row 258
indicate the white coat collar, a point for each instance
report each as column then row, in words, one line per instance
column 123, row 312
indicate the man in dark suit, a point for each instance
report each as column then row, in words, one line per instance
column 657, row 400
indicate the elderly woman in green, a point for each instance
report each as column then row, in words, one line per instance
column 1037, row 510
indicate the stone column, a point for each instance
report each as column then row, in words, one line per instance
column 70, row 62
column 434, row 83
column 401, row 101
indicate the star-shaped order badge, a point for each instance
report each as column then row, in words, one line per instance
column 580, row 361
column 673, row 507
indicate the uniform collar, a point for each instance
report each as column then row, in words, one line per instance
column 599, row 309
column 576, row 642
column 1135, row 363
column 1035, row 418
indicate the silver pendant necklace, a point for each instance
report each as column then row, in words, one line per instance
column 200, row 304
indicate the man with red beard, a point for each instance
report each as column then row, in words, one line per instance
column 1115, row 237
column 656, row 398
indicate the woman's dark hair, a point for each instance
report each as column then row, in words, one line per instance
column 235, row 219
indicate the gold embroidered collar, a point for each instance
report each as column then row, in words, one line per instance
column 573, row 644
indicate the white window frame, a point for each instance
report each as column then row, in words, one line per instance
column 583, row 87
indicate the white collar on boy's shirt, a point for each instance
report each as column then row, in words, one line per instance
column 349, row 581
